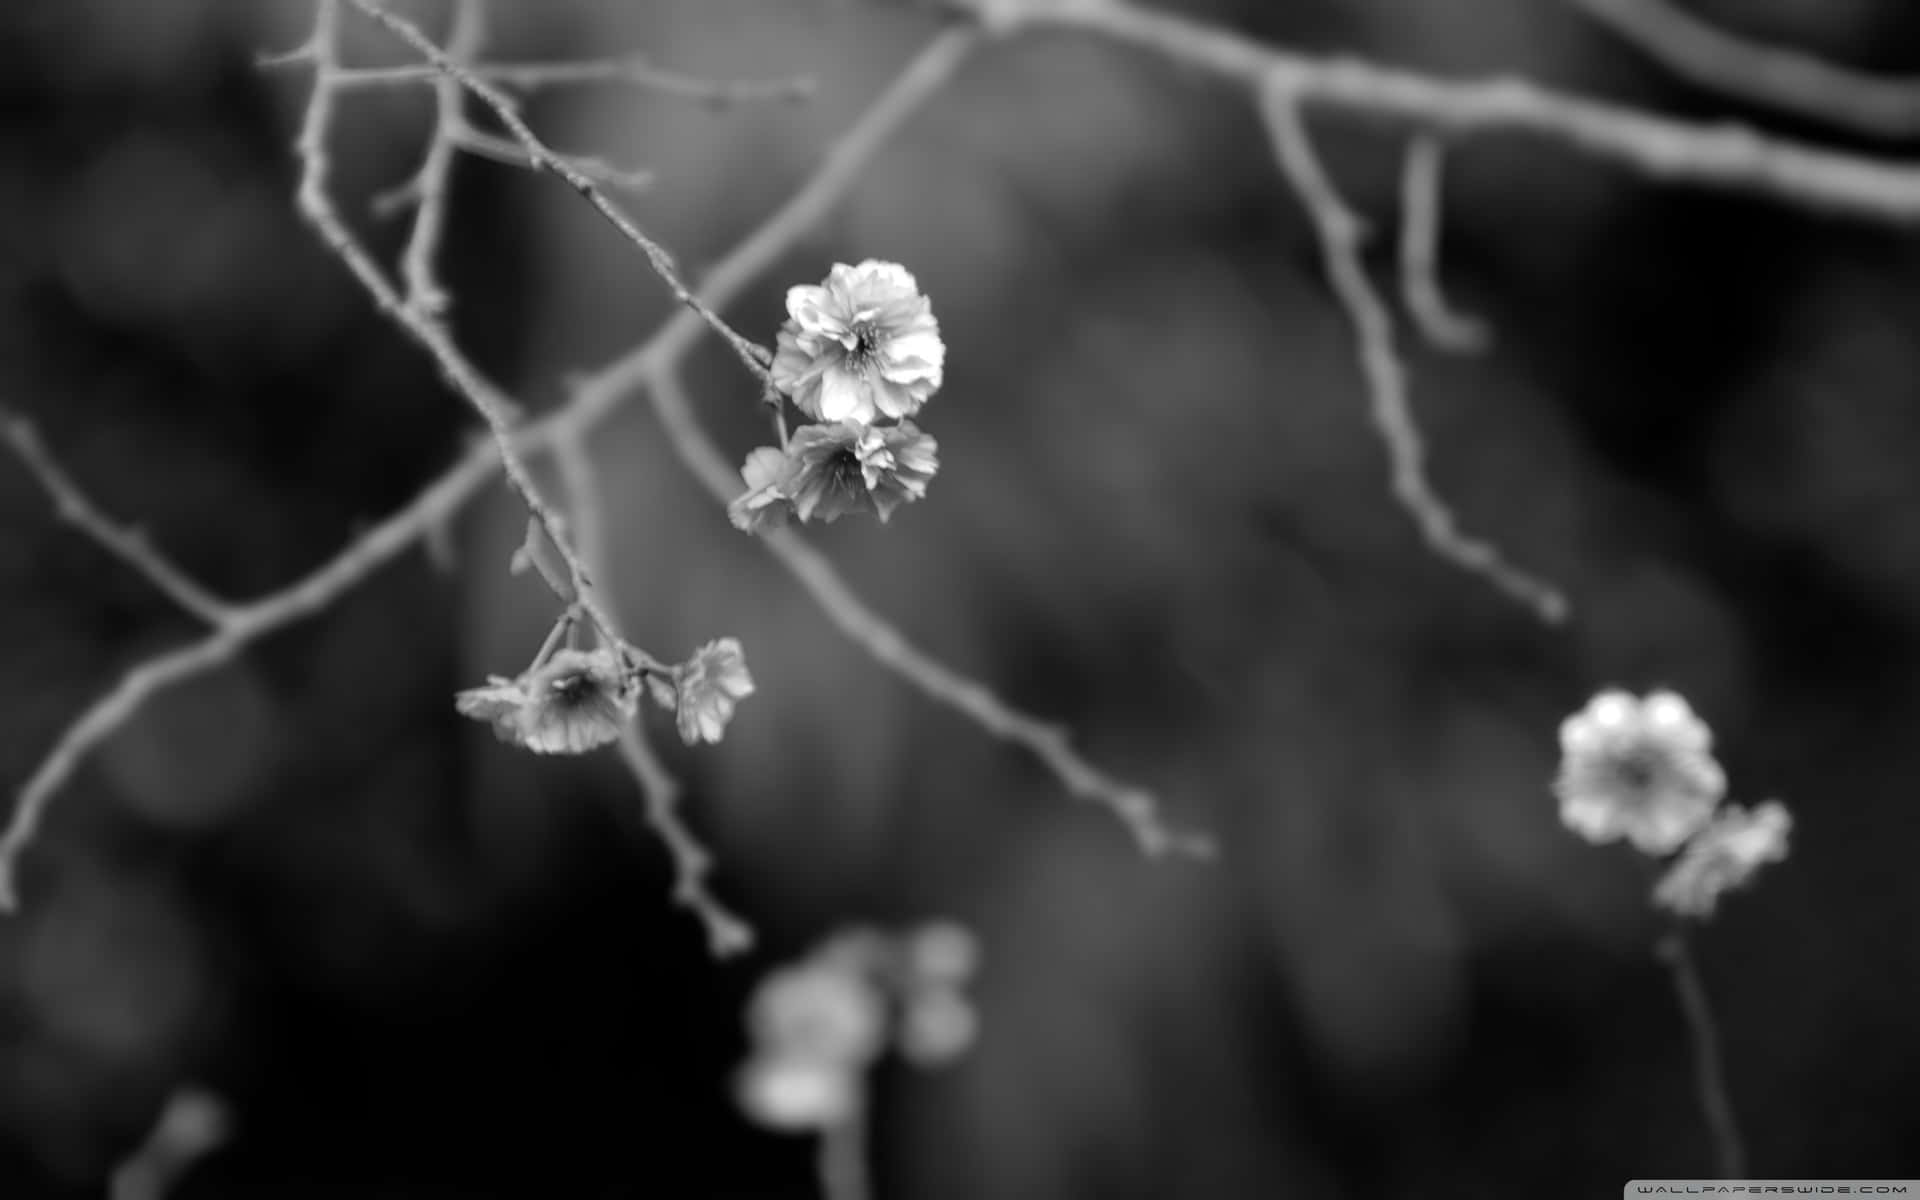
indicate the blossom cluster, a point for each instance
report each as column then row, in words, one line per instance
column 818, row 1026
column 1642, row 769
column 571, row 701
column 859, row 355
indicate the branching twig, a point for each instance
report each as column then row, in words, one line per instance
column 865, row 627
column 727, row 934
column 495, row 148
column 1710, row 1079
column 1421, row 186
column 752, row 355
column 127, row 545
column 596, row 397
column 1721, row 155
column 1775, row 77
column 637, row 71
column 1340, row 233
column 492, row 405
column 429, row 187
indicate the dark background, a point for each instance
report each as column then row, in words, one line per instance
column 419, row 965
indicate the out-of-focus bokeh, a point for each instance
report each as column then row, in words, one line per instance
column 417, row 964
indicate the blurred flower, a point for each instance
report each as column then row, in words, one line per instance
column 765, row 504
column 1724, row 856
column 861, row 346
column 574, row 702
column 937, row 1022
column 896, row 462
column 817, row 1028
column 1639, row 769
column 798, row 1093
column 707, row 686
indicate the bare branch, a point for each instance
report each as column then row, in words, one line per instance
column 505, row 150
column 727, row 934
column 1340, row 233
column 492, row 405
column 1720, row 155
column 1421, row 188
column 753, row 356
column 429, row 187
column 193, row 1124
column 633, row 70
column 127, row 545
column 1775, row 77
column 866, row 628
column 434, row 508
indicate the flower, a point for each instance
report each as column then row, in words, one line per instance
column 1639, row 769
column 574, row 702
column 706, row 688
column 861, row 346
column 817, row 1028
column 848, row 467
column 937, row 1020
column 1724, row 856
column 765, row 504
column 896, row 462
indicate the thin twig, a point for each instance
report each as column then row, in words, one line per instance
column 727, row 933
column 841, row 1159
column 1776, row 77
column 492, row 405
column 1722, row 155
column 753, row 356
column 595, row 398
column 1710, row 1080
column 494, row 148
column 429, row 187
column 1421, row 189
column 127, row 545
column 192, row 1125
column 636, row 71
column 872, row 632
column 1340, row 234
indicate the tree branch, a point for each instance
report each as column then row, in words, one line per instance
column 127, row 545
column 1720, row 155
column 727, row 934
column 633, row 70
column 1775, row 77
column 1421, row 188
column 594, row 399
column 1340, row 234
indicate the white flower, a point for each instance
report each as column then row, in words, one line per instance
column 861, row 346
column 1639, row 769
column 574, row 702
column 1724, row 856
column 798, row 1093
column 706, row 689
column 766, row 503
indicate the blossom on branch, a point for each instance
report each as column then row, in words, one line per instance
column 574, row 702
column 834, row 469
column 1642, row 769
column 861, row 346
column 1724, row 856
column 706, row 689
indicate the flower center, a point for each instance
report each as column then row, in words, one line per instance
column 575, row 689
column 1638, row 769
column 843, row 473
column 866, row 346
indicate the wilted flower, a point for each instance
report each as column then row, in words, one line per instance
column 1724, row 856
column 765, row 504
column 861, row 346
column 1639, row 769
column 706, row 688
column 574, row 702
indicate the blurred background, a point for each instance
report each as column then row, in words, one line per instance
column 418, row 964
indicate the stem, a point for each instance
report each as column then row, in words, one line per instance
column 843, row 1158
column 1730, row 1157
